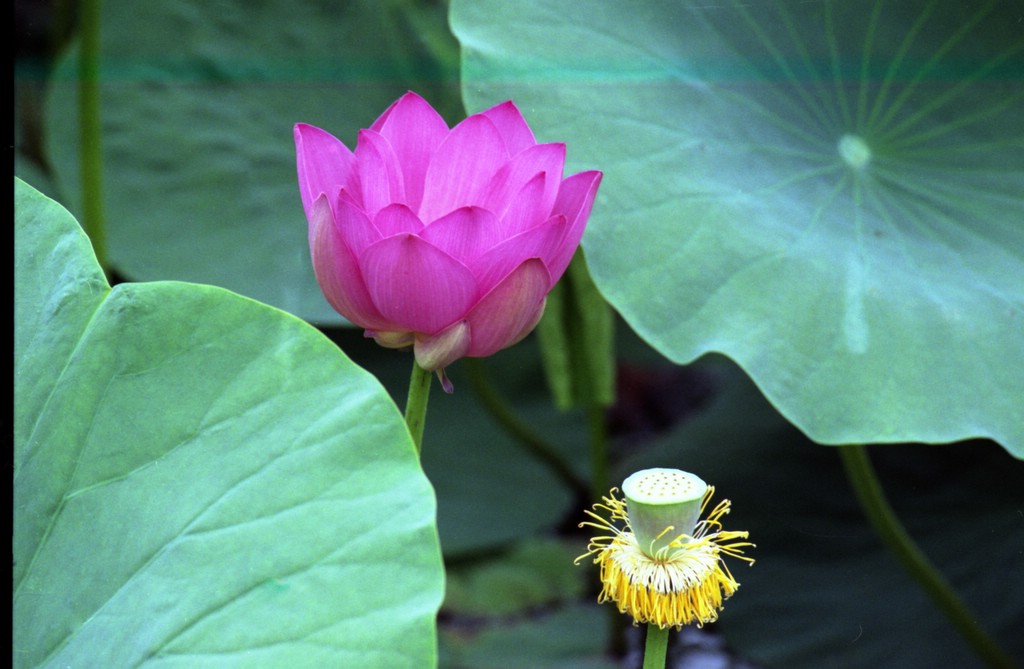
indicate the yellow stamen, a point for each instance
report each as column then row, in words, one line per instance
column 685, row 582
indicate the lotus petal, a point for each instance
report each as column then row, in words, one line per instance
column 416, row 285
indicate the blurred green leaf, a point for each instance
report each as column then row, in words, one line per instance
column 198, row 104
column 533, row 574
column 879, row 303
column 201, row 480
column 568, row 637
column 577, row 341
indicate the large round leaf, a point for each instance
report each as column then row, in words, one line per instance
column 198, row 100
column 830, row 193
column 203, row 481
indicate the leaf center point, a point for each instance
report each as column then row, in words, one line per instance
column 855, row 151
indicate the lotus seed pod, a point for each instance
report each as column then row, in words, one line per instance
column 663, row 504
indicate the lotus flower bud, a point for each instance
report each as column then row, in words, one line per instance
column 446, row 240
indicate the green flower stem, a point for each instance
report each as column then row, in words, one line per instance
column 416, row 404
column 526, row 437
column 655, row 647
column 888, row 527
column 90, row 130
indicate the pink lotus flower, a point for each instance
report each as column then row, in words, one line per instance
column 444, row 240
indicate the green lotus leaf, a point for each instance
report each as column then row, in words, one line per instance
column 198, row 101
column 829, row 193
column 203, row 481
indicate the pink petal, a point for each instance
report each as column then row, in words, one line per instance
column 353, row 225
column 380, row 175
column 512, row 126
column 542, row 241
column 575, row 199
column 529, row 207
column 337, row 271
column 465, row 233
column 323, row 163
column 395, row 219
column 415, row 284
column 515, row 174
column 383, row 118
column 531, row 323
column 504, row 314
column 415, row 131
column 462, row 168
column 406, row 99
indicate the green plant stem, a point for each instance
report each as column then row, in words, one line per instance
column 655, row 647
column 416, row 404
column 90, row 130
column 536, row 445
column 896, row 538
